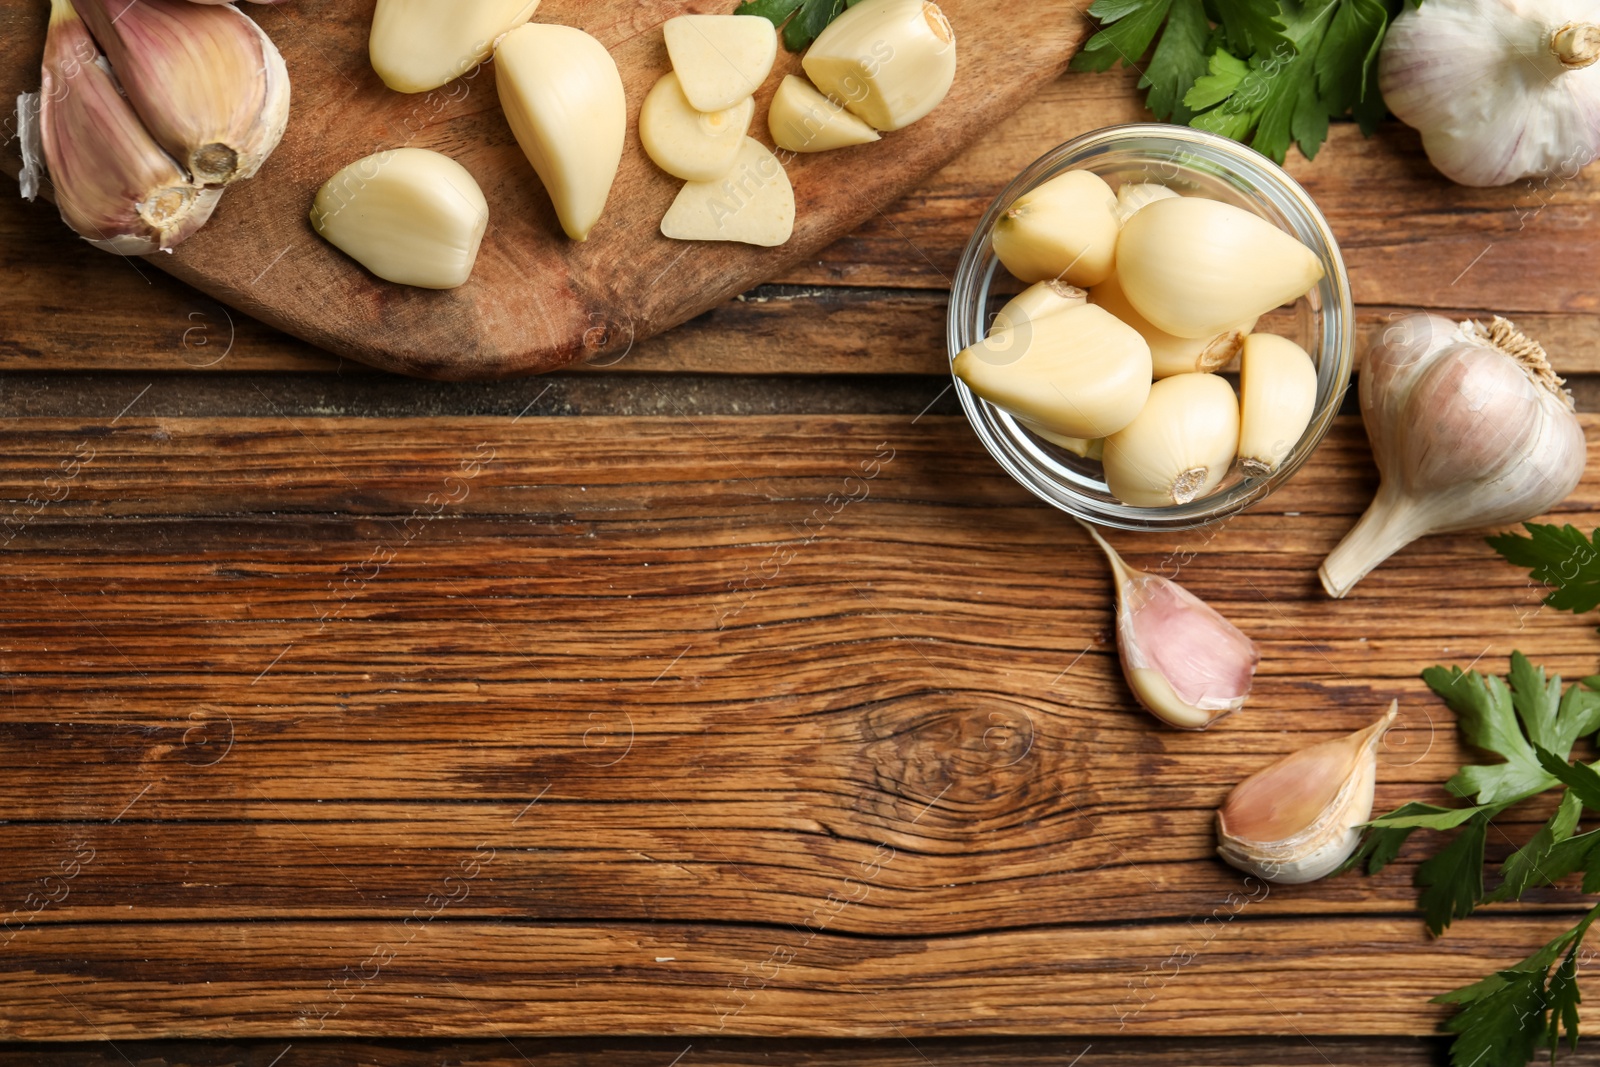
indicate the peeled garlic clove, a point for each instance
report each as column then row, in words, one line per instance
column 720, row 59
column 1078, row 446
column 689, row 144
column 1277, row 396
column 1065, row 229
column 207, row 82
column 1179, row 447
column 1470, row 427
column 1297, row 820
column 753, row 205
column 563, row 98
column 1077, row 373
column 417, row 45
column 1186, row 664
column 801, row 119
column 1036, row 302
column 1135, row 195
column 114, row 185
column 406, row 214
column 1170, row 354
column 888, row 61
column 1197, row 268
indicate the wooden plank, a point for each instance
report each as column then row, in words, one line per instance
column 1404, row 251
column 461, row 978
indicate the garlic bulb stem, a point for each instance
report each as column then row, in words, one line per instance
column 1388, row 525
column 1577, row 44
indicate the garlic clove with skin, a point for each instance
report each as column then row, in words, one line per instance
column 1036, row 302
column 210, row 86
column 1196, row 267
column 1169, row 353
column 1298, row 820
column 1500, row 89
column 1277, row 397
column 1065, row 229
column 1186, row 664
column 1180, row 446
column 1470, row 428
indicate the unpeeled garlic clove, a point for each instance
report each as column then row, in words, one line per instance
column 406, row 214
column 1169, row 353
column 1277, row 397
column 1135, row 195
column 888, row 61
column 753, row 204
column 563, row 98
column 1036, row 302
column 801, row 119
column 1186, row 664
column 205, row 79
column 1179, row 447
column 114, row 185
column 1077, row 373
column 693, row 145
column 1196, row 267
column 1298, row 819
column 720, row 59
column 418, row 45
column 1065, row 229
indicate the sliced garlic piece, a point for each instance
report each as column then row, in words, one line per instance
column 1135, row 195
column 1065, row 229
column 406, row 214
column 1197, row 267
column 417, row 45
column 1185, row 664
column 1277, row 396
column 696, row 146
column 888, row 61
column 720, row 59
column 1036, row 302
column 209, row 85
column 1179, row 447
column 113, row 184
column 803, row 120
column 753, row 205
column 1170, row 354
column 563, row 98
column 1077, row 373
column 1297, row 820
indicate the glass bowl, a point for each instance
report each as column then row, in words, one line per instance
column 1189, row 161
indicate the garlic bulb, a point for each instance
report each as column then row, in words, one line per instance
column 1470, row 428
column 1036, row 302
column 1179, row 447
column 114, row 185
column 1297, row 820
column 1197, row 267
column 1065, row 229
column 1277, row 397
column 1500, row 89
column 1135, row 195
column 1169, row 353
column 1078, row 373
column 1185, row 663
column 209, row 85
column 890, row 62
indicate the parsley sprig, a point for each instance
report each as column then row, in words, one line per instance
column 801, row 20
column 1270, row 72
column 1560, row 557
column 1531, row 725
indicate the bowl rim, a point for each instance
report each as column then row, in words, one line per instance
column 1257, row 178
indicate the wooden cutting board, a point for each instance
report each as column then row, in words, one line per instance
column 536, row 300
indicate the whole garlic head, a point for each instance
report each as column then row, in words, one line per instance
column 1500, row 89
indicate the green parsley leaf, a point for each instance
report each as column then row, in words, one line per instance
column 1536, row 863
column 1560, row 557
column 1128, row 27
column 1577, row 777
column 1387, row 833
column 1251, row 26
column 1179, row 59
column 1452, row 880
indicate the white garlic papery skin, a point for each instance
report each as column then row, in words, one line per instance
column 1469, row 427
column 1186, row 664
column 1298, row 819
column 1179, row 447
column 1499, row 89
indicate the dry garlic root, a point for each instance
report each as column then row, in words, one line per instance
column 1188, row 277
column 408, row 215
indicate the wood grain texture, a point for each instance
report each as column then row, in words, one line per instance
column 588, row 691
column 536, row 300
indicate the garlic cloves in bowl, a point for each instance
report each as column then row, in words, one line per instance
column 1186, row 664
column 1298, row 820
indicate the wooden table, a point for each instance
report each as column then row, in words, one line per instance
column 615, row 715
